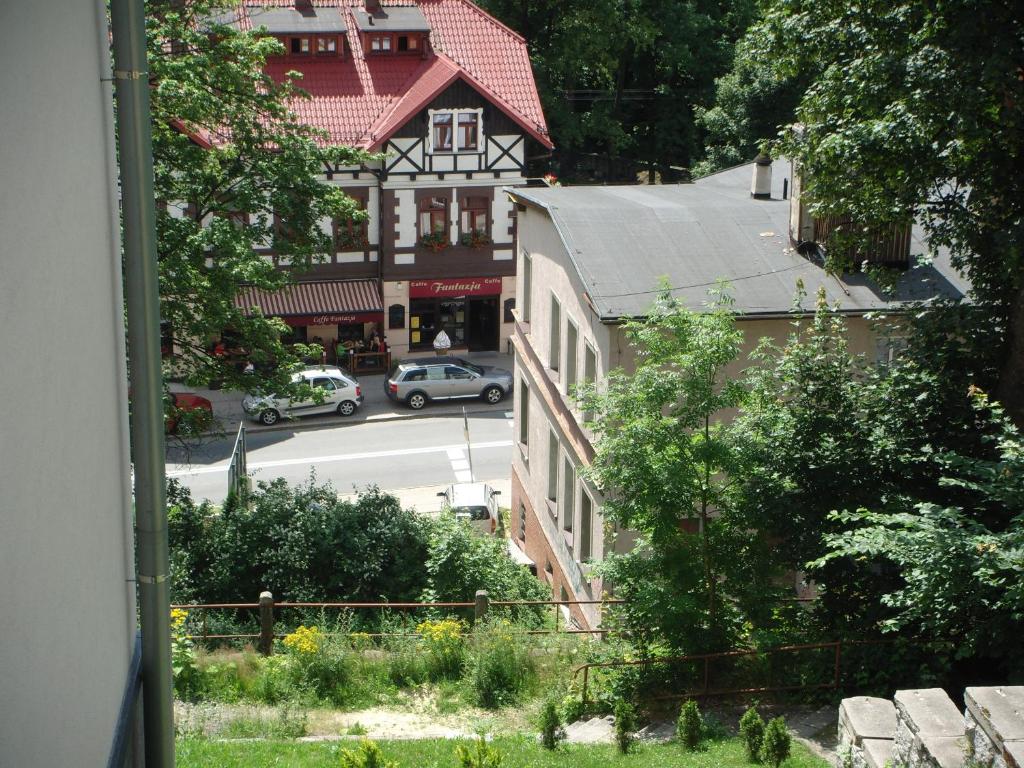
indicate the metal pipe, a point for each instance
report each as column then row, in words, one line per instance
column 131, row 79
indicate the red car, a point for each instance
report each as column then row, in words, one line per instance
column 183, row 402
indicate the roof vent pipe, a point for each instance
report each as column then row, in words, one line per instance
column 761, row 183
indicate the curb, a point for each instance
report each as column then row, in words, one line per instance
column 300, row 425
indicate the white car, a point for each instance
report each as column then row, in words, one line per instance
column 475, row 503
column 342, row 395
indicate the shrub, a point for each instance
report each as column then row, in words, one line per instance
column 367, row 756
column 319, row 664
column 776, row 744
column 502, row 666
column 550, row 724
column 187, row 678
column 625, row 724
column 573, row 708
column 445, row 648
column 482, row 755
column 406, row 665
column 752, row 733
column 690, row 725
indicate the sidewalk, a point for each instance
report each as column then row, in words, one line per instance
column 227, row 405
column 425, row 500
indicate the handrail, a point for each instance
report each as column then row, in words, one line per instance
column 126, row 715
column 708, row 657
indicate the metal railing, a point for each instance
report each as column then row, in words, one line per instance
column 124, row 748
column 480, row 607
column 706, row 660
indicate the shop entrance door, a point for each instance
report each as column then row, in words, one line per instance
column 482, row 334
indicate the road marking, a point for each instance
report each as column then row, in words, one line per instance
column 445, row 449
column 455, row 453
column 463, row 476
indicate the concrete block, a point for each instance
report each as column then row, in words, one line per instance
column 867, row 717
column 999, row 710
column 1013, row 754
column 877, row 752
column 942, row 751
column 929, row 711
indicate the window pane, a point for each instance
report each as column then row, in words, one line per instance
column 553, row 467
column 467, row 130
column 386, row 43
column 524, row 413
column 586, row 525
column 443, row 131
column 569, row 495
column 555, row 340
column 527, row 287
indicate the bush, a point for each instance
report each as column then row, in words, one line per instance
column 776, row 744
column 406, row 665
column 573, row 708
column 482, row 755
column 502, row 665
column 550, row 724
column 367, row 756
column 752, row 733
column 690, row 726
column 319, row 664
column 625, row 724
column 445, row 648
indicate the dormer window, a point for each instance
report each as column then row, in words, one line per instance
column 408, row 43
column 300, row 46
column 326, row 46
column 380, row 44
column 455, row 130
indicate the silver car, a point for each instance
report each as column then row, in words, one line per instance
column 416, row 382
column 342, row 395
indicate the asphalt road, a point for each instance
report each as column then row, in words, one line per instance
column 394, row 455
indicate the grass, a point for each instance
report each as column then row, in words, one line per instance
column 518, row 752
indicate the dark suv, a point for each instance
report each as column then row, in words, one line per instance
column 415, row 382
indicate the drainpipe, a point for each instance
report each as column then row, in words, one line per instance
column 138, row 212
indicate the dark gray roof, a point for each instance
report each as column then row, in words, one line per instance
column 310, row 20
column 391, row 18
column 623, row 239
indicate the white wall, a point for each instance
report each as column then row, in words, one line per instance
column 66, row 595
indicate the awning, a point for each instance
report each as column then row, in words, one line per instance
column 318, row 302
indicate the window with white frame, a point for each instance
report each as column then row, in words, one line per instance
column 555, row 338
column 553, row 468
column 527, row 286
column 586, row 548
column 571, row 351
column 568, row 494
column 456, row 130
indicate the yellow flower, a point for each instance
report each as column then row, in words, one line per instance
column 178, row 617
column 305, row 640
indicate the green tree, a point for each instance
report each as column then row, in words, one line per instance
column 961, row 567
column 776, row 744
column 914, row 111
column 665, row 466
column 235, row 171
column 621, row 81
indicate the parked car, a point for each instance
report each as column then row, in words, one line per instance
column 187, row 402
column 473, row 502
column 342, row 394
column 416, row 382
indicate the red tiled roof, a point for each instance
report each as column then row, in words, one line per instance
column 313, row 298
column 360, row 101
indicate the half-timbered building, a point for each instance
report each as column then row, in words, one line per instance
column 445, row 93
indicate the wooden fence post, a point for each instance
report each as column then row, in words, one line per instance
column 480, row 606
column 266, row 623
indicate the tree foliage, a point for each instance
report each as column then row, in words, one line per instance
column 914, row 111
column 235, row 171
column 667, row 466
column 305, row 544
column 623, row 80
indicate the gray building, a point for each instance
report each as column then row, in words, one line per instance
column 591, row 256
column 66, row 554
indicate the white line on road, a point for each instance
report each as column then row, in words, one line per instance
column 339, row 457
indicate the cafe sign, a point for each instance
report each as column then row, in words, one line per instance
column 334, row 319
column 466, row 286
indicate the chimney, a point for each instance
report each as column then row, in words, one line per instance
column 761, row 183
column 303, row 5
column 372, row 6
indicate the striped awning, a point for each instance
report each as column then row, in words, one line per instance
column 319, row 302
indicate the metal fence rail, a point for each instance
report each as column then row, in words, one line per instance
column 480, row 607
